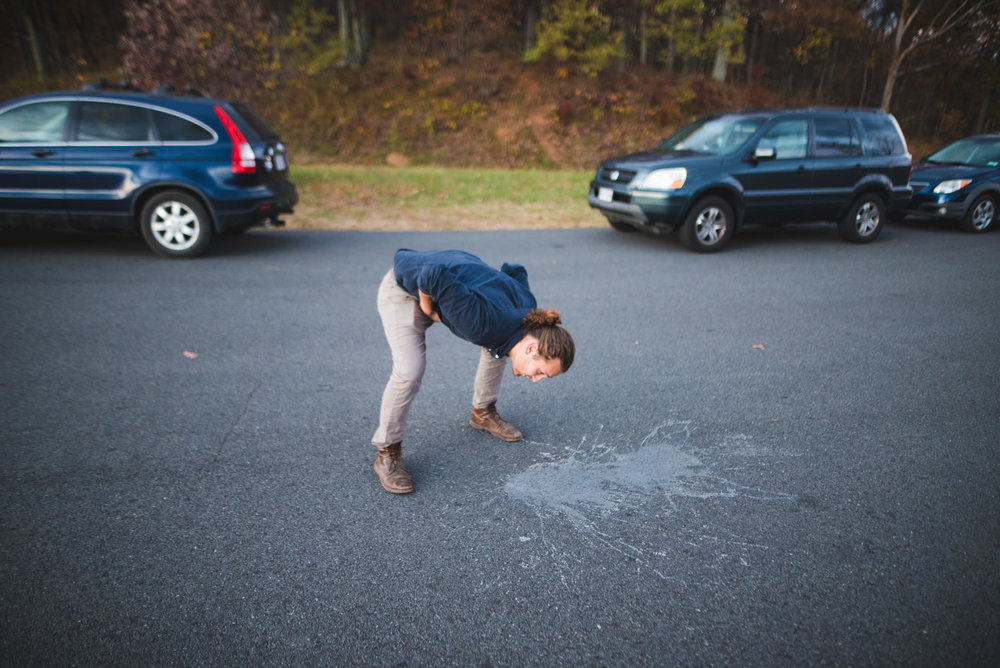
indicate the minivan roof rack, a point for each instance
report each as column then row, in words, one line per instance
column 828, row 108
column 846, row 108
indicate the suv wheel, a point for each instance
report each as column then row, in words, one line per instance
column 981, row 215
column 864, row 219
column 709, row 225
column 175, row 224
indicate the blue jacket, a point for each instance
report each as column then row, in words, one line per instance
column 475, row 301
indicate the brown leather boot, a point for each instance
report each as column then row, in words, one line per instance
column 391, row 472
column 489, row 420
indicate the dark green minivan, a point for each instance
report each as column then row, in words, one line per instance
column 847, row 166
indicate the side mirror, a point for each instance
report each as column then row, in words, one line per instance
column 764, row 154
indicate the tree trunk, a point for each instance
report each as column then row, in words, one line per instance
column 864, row 87
column 890, row 80
column 671, row 41
column 643, row 45
column 751, row 56
column 343, row 24
column 984, row 112
column 360, row 33
column 36, row 49
column 827, row 73
column 353, row 27
column 534, row 11
column 721, row 65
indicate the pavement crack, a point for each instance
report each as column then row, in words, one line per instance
column 237, row 421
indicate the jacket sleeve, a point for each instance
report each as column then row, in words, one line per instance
column 517, row 272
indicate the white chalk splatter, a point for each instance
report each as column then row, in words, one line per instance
column 590, row 485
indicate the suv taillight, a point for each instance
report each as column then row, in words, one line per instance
column 244, row 161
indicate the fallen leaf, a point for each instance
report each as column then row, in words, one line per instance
column 758, row 346
column 190, row 355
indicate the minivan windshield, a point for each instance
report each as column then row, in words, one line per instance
column 717, row 135
column 981, row 153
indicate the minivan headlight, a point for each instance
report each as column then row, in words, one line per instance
column 665, row 179
column 948, row 187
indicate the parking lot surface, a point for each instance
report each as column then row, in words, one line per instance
column 782, row 454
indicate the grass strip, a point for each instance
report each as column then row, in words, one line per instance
column 387, row 198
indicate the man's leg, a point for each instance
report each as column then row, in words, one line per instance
column 484, row 398
column 405, row 329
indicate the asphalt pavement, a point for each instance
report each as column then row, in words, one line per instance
column 784, row 454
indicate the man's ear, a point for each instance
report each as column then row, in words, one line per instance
column 531, row 348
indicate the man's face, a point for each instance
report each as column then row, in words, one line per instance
column 537, row 367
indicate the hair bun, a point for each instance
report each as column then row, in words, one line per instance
column 542, row 318
column 554, row 342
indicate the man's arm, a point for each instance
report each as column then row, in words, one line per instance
column 427, row 306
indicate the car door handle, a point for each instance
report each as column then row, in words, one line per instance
column 142, row 153
column 42, row 153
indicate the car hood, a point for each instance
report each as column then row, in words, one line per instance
column 655, row 158
column 934, row 173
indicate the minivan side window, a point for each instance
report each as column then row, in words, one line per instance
column 789, row 139
column 42, row 122
column 834, row 138
column 101, row 121
column 175, row 128
column 881, row 137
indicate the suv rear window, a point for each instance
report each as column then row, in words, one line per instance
column 881, row 137
column 258, row 124
column 175, row 128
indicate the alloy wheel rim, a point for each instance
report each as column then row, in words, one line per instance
column 867, row 219
column 175, row 226
column 982, row 215
column 711, row 225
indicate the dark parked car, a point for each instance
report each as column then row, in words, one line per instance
column 723, row 171
column 960, row 182
column 177, row 169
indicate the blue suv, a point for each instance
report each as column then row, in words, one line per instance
column 177, row 169
column 848, row 166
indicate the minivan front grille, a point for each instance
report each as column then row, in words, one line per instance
column 623, row 176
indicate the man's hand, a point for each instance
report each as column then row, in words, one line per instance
column 427, row 306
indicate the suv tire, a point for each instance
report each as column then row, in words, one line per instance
column 864, row 220
column 981, row 215
column 175, row 224
column 709, row 225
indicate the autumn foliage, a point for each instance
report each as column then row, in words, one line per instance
column 225, row 47
column 522, row 82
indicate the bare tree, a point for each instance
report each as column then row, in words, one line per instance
column 915, row 25
column 353, row 21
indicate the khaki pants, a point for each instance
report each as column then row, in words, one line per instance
column 405, row 329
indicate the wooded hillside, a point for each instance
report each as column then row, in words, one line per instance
column 521, row 83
